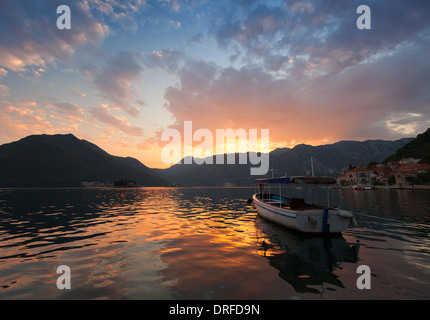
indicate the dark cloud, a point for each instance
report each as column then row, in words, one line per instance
column 316, row 31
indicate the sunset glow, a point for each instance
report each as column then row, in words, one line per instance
column 128, row 70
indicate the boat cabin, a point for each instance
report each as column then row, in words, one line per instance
column 295, row 203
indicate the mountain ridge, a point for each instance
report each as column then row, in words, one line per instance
column 328, row 160
column 418, row 148
column 63, row 160
column 66, row 161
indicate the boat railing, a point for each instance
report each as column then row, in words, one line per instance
column 293, row 203
column 300, row 201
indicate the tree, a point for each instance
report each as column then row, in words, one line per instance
column 351, row 167
column 392, row 180
column 372, row 164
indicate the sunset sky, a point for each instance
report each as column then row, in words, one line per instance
column 127, row 70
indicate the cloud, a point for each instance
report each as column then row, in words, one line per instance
column 177, row 5
column 89, row 70
column 115, row 81
column 307, row 73
column 405, row 123
column 4, row 89
column 247, row 98
column 166, row 59
column 321, row 37
column 119, row 15
column 363, row 101
column 3, row 72
column 300, row 68
column 30, row 37
column 70, row 111
column 20, row 118
column 102, row 114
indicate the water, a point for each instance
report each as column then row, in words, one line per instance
column 206, row 243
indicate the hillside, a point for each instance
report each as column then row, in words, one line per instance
column 418, row 148
column 328, row 160
column 66, row 161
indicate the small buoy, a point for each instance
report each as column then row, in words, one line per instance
column 249, row 200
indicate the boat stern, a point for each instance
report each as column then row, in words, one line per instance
column 329, row 222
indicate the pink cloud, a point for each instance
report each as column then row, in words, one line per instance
column 20, row 118
column 102, row 113
column 325, row 108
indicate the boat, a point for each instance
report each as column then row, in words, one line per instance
column 295, row 213
column 361, row 188
column 306, row 262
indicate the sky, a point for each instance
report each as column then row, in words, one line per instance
column 128, row 70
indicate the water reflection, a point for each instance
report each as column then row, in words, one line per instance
column 202, row 243
column 304, row 261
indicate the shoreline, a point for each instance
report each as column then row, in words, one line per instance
column 416, row 187
column 208, row 187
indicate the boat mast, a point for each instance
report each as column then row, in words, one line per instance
column 272, row 170
column 312, row 165
column 315, row 187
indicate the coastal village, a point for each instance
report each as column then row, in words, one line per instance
column 405, row 173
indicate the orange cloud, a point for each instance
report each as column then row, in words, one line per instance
column 21, row 118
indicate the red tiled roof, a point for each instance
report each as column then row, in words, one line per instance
column 360, row 170
column 414, row 166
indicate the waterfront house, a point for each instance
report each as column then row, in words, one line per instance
column 399, row 173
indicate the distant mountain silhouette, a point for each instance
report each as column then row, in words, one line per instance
column 418, row 148
column 328, row 160
column 66, row 161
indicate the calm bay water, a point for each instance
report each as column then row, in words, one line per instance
column 206, row 243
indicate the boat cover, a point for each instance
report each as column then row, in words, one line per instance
column 314, row 180
column 274, row 180
column 305, row 179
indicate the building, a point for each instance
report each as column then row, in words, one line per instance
column 400, row 173
column 405, row 173
column 361, row 176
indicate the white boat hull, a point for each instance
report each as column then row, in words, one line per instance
column 308, row 221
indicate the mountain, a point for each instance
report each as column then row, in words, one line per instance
column 66, row 161
column 418, row 148
column 332, row 159
column 328, row 160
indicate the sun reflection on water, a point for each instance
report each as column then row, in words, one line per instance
column 186, row 243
